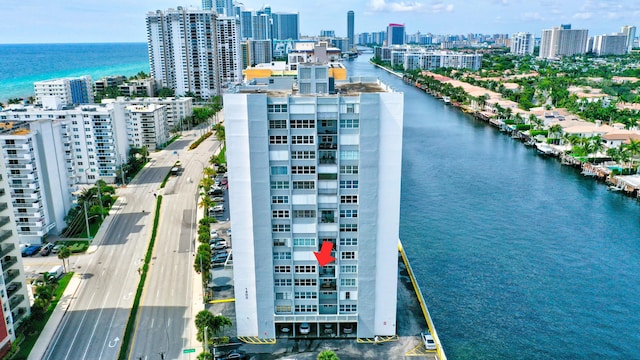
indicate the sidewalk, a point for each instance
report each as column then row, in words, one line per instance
column 49, row 331
column 197, row 301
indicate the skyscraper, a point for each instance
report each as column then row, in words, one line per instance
column 614, row 44
column 184, row 50
column 261, row 27
column 312, row 169
column 350, row 29
column 395, row 34
column 285, row 26
column 563, row 41
column 246, row 31
column 522, row 43
column 630, row 32
column 224, row 7
column 207, row 4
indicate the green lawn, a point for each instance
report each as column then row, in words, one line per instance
column 32, row 327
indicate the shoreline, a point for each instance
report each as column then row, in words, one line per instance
column 601, row 173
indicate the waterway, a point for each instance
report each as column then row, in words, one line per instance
column 518, row 257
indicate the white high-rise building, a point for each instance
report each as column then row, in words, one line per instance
column 56, row 92
column 310, row 167
column 614, row 44
column 229, row 51
column 183, row 50
column 146, row 125
column 178, row 108
column 14, row 298
column 630, row 33
column 563, row 41
column 522, row 43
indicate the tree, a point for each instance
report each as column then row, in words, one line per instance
column 220, row 322
column 202, row 263
column 328, row 355
column 204, row 356
column 204, row 320
column 535, row 122
column 556, row 130
column 165, row 92
column 63, row 255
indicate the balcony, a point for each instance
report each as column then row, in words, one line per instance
column 5, row 234
column 3, row 206
column 327, row 157
column 11, row 274
column 16, row 300
column 18, row 315
column 6, row 249
column 8, row 261
column 328, row 285
column 328, row 272
column 13, row 288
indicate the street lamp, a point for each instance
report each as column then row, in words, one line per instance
column 86, row 219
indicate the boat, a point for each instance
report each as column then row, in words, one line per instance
column 614, row 187
column 544, row 149
column 446, row 99
column 588, row 173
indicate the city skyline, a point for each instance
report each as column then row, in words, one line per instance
column 40, row 22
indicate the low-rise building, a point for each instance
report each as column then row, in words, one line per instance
column 64, row 91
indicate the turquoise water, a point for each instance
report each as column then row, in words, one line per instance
column 23, row 64
column 518, row 257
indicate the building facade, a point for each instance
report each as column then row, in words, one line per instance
column 229, row 51
column 14, row 298
column 65, row 91
column 350, row 29
column 310, row 168
column 522, row 43
column 563, row 41
column 286, row 26
column 146, row 126
column 183, row 51
column 630, row 33
column 395, row 34
column 615, row 44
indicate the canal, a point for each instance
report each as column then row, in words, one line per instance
column 518, row 257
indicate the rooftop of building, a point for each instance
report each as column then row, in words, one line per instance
column 14, row 128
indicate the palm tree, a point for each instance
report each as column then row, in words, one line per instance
column 556, row 130
column 64, row 253
column 596, row 145
column 632, row 149
column 535, row 122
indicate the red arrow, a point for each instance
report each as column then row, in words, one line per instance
column 324, row 256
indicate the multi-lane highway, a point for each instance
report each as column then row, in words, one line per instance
column 94, row 323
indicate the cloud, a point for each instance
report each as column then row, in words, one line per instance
column 535, row 16
column 409, row 6
column 583, row 15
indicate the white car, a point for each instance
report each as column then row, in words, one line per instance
column 428, row 341
column 305, row 328
column 218, row 208
column 213, row 233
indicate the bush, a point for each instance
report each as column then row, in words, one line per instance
column 539, row 132
column 78, row 247
column 509, row 122
column 523, row 127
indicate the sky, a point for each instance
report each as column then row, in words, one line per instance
column 77, row 21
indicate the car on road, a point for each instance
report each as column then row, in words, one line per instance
column 428, row 341
column 305, row 328
column 46, row 250
column 31, row 250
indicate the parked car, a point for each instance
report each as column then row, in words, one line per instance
column 229, row 232
column 428, row 341
column 216, row 192
column 216, row 240
column 46, row 250
column 213, row 233
column 11, row 287
column 305, row 328
column 224, row 181
column 217, row 199
column 219, row 245
column 235, row 355
column 219, row 259
column 218, row 208
column 223, row 251
column 31, row 250
column 56, row 249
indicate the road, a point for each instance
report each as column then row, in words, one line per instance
column 165, row 315
column 94, row 324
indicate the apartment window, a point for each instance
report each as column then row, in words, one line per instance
column 279, row 199
column 348, row 308
column 283, row 308
column 303, row 170
column 348, row 213
column 277, row 108
column 349, row 155
column 302, row 139
column 282, row 269
column 279, row 170
column 280, row 214
column 285, row 255
column 280, row 227
column 277, row 124
column 280, row 242
column 348, row 169
column 305, row 269
column 348, row 282
column 306, row 308
column 349, row 227
column 348, row 184
column 283, row 296
column 305, row 282
column 349, row 242
column 303, row 124
column 304, row 213
column 346, row 269
column 304, row 242
column 304, row 185
column 349, row 199
column 304, row 295
column 282, row 282
column 277, row 139
column 348, row 255
column 303, row 155
column 279, row 185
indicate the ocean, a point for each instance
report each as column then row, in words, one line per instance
column 23, row 64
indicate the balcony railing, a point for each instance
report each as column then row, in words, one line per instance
column 11, row 274
column 5, row 234
column 8, row 261
column 16, row 300
column 6, row 249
